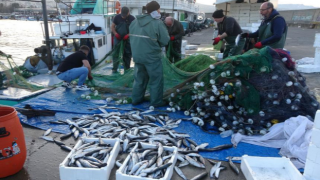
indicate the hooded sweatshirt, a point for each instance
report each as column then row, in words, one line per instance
column 147, row 36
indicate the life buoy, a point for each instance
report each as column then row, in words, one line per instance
column 118, row 7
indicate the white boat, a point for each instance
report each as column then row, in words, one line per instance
column 65, row 39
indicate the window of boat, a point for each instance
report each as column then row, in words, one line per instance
column 104, row 40
column 99, row 42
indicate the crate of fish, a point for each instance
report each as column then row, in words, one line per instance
column 147, row 162
column 91, row 158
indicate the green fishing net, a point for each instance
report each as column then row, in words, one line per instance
column 179, row 78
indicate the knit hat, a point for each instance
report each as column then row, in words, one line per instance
column 218, row 14
column 152, row 6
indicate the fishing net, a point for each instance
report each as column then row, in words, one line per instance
column 201, row 61
column 245, row 93
column 15, row 76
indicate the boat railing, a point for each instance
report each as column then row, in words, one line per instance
column 183, row 5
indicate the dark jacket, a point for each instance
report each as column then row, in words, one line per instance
column 176, row 30
column 278, row 27
column 229, row 26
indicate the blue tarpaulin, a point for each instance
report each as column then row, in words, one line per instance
column 68, row 103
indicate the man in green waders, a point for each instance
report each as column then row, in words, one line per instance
column 228, row 29
column 120, row 29
column 148, row 35
column 273, row 29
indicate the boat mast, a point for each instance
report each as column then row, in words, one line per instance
column 46, row 32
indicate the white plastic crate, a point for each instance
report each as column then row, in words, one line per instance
column 317, row 120
column 121, row 176
column 315, row 137
column 311, row 170
column 191, row 47
column 317, row 40
column 78, row 173
column 257, row 168
column 314, row 153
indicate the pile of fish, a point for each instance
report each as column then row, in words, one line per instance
column 134, row 128
column 149, row 162
column 90, row 155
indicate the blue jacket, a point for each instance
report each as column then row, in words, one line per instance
column 278, row 28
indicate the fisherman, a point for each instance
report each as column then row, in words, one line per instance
column 228, row 29
column 273, row 29
column 176, row 31
column 120, row 29
column 148, row 35
column 75, row 66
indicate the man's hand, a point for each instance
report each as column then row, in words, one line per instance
column 126, row 37
column 118, row 36
column 172, row 38
column 90, row 77
column 245, row 35
column 258, row 45
column 216, row 40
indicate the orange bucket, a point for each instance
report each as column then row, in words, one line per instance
column 12, row 143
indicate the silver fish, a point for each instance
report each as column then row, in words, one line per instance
column 195, row 163
column 47, row 132
column 237, row 39
column 180, row 173
column 214, row 168
column 47, row 138
column 233, row 167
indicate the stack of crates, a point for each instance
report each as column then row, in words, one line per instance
column 312, row 168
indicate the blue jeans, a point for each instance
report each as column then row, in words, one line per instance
column 72, row 74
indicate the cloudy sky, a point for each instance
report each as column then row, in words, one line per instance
column 315, row 3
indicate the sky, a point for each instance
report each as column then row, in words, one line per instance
column 315, row 3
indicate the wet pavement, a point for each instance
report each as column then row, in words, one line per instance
column 43, row 158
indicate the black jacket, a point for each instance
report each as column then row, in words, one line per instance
column 176, row 30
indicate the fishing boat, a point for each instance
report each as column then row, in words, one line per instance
column 87, row 23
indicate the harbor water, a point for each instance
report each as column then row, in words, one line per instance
column 19, row 38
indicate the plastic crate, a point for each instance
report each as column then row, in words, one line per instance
column 78, row 173
column 257, row 168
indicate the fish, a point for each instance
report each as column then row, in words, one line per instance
column 66, row 136
column 237, row 39
column 200, row 176
column 214, row 169
column 89, row 154
column 66, row 148
column 47, row 132
column 216, row 174
column 217, row 148
column 194, row 163
column 180, row 173
column 184, row 163
column 118, row 164
column 147, row 111
column 47, row 138
column 234, row 167
column 58, row 142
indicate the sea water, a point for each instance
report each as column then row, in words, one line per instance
column 19, row 38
